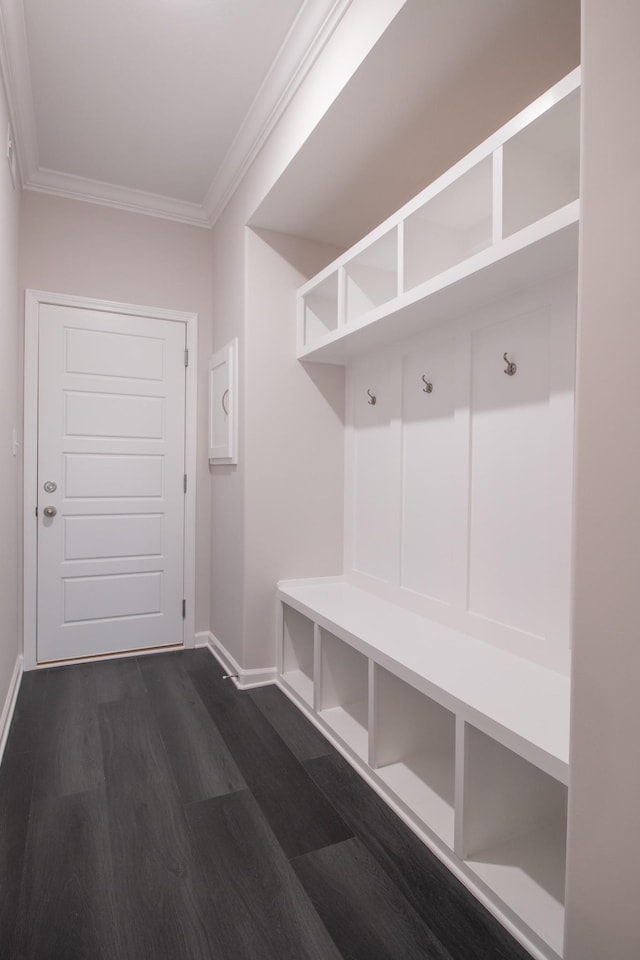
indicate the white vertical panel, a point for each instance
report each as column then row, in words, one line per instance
column 563, row 365
column 431, row 505
column 374, row 492
column 510, row 537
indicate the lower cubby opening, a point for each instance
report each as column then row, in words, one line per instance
column 514, row 833
column 344, row 697
column 414, row 752
column 297, row 653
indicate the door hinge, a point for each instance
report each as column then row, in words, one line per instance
column 36, row 511
column 186, row 358
column 184, row 609
column 185, row 483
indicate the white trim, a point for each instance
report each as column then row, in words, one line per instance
column 243, row 679
column 14, row 64
column 33, row 300
column 119, row 655
column 313, row 27
column 311, row 31
column 10, row 703
column 110, row 195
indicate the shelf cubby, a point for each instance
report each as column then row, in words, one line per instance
column 320, row 309
column 541, row 166
column 514, row 833
column 344, row 692
column 298, row 653
column 414, row 752
column 502, row 219
column 371, row 277
column 450, row 227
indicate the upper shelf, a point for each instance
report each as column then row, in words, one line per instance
column 503, row 217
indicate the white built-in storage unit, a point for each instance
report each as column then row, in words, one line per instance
column 438, row 662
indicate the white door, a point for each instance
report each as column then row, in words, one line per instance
column 111, row 455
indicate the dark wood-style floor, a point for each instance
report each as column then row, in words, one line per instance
column 151, row 811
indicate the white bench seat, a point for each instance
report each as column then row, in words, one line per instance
column 518, row 703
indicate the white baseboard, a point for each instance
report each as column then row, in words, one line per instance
column 10, row 703
column 243, row 679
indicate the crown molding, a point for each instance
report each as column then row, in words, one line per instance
column 16, row 75
column 122, row 198
column 307, row 38
column 314, row 25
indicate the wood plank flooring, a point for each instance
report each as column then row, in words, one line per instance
column 151, row 811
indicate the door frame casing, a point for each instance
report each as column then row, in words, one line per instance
column 33, row 300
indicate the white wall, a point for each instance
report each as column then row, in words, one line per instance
column 237, row 612
column 243, row 529
column 227, row 482
column 294, row 430
column 10, row 619
column 604, row 792
column 89, row 250
column 278, row 513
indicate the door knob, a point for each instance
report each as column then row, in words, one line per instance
column 49, row 511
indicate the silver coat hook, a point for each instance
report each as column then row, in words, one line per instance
column 511, row 367
column 428, row 386
column 371, row 399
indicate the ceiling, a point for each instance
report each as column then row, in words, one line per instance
column 443, row 77
column 152, row 105
column 159, row 106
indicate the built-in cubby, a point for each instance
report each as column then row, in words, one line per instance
column 541, row 166
column 450, row 227
column 438, row 663
column 298, row 653
column 344, row 696
column 504, row 216
column 414, row 751
column 468, row 743
column 371, row 277
column 514, row 833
